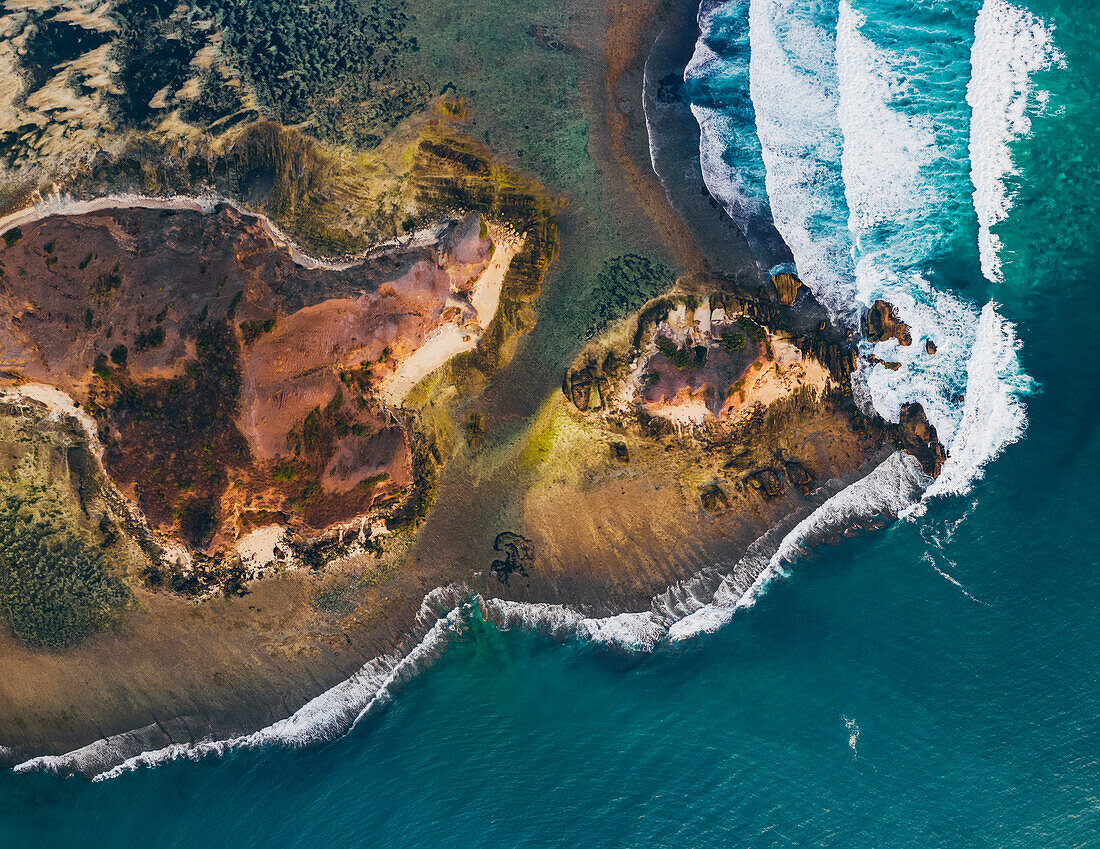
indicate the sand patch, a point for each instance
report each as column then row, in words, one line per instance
column 455, row 338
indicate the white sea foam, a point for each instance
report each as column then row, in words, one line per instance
column 327, row 716
column 969, row 389
column 792, row 81
column 701, row 604
column 894, row 486
column 732, row 186
column 993, row 413
column 853, row 735
column 1010, row 44
column 885, row 150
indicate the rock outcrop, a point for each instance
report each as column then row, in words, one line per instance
column 918, row 436
column 882, row 323
column 786, row 288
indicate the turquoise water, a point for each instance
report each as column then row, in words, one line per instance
column 933, row 684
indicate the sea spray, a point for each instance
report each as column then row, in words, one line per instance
column 865, row 153
column 717, row 86
column 893, row 487
column 994, row 414
column 1010, row 44
column 792, row 81
column 324, row 717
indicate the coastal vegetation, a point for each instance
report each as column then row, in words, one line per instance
column 624, row 284
column 334, row 65
column 56, row 588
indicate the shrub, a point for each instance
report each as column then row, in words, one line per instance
column 624, row 284
column 330, row 60
column 55, row 588
column 733, row 341
column 754, row 331
column 149, row 339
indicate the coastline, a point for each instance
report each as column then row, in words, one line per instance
column 697, row 604
column 403, row 631
column 67, row 205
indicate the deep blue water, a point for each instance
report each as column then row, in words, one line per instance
column 933, row 684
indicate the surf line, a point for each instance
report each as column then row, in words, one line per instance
column 694, row 607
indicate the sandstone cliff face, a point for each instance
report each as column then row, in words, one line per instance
column 918, row 436
column 786, row 288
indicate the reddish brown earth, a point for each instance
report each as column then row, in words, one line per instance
column 231, row 386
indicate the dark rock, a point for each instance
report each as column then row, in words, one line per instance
column 892, row 366
column 519, row 556
column 768, row 481
column 798, row 475
column 918, row 436
column 930, row 347
column 622, row 453
column 882, row 323
column 714, row 499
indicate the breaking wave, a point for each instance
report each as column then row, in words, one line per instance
column 693, row 607
column 852, row 154
column 884, row 175
column 1010, row 44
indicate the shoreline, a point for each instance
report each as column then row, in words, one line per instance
column 875, row 492
column 69, row 206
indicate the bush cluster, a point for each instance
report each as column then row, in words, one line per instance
column 56, row 589
column 624, row 284
column 334, row 61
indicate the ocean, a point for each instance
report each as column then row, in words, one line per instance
column 930, row 684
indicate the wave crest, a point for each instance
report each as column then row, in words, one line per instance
column 1010, row 44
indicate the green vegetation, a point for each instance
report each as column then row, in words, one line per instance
column 733, row 341
column 754, row 331
column 176, row 437
column 12, row 236
column 682, row 358
column 147, row 339
column 284, row 473
column 153, row 53
column 198, row 519
column 231, row 310
column 624, row 284
column 311, row 429
column 51, row 42
column 56, row 589
column 216, row 99
column 288, row 176
column 99, row 366
column 252, row 330
column 107, row 282
column 332, row 62
column 119, row 354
